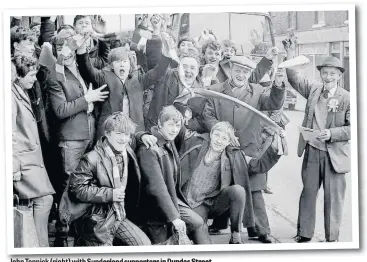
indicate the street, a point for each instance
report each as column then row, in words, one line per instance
column 285, row 182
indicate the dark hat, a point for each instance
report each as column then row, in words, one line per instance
column 331, row 61
column 243, row 61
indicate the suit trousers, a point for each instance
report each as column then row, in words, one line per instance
column 262, row 226
column 317, row 169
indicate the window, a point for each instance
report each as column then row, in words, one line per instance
column 319, row 19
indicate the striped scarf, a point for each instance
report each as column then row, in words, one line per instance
column 118, row 181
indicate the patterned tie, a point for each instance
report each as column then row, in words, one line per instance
column 326, row 93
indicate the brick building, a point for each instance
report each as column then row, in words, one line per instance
column 319, row 34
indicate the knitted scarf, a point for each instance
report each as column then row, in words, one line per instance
column 118, row 182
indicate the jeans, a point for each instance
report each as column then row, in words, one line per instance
column 41, row 211
column 73, row 151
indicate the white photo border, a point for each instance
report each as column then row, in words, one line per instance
column 191, row 248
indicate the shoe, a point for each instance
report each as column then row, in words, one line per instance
column 252, row 232
column 325, row 240
column 215, row 231
column 265, row 239
column 268, row 191
column 300, row 239
column 231, row 242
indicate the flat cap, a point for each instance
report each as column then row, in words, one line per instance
column 243, row 61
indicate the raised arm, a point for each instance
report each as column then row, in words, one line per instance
column 266, row 162
column 275, row 99
column 100, row 60
column 88, row 71
column 155, row 74
column 209, row 114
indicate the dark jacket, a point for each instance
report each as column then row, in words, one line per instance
column 27, row 152
column 93, row 183
column 68, row 103
column 234, row 168
column 133, row 86
column 246, row 124
column 165, row 93
column 159, row 203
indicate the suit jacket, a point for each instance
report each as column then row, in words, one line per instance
column 247, row 125
column 159, row 203
column 27, row 153
column 68, row 103
column 337, row 122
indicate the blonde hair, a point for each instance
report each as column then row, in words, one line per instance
column 224, row 127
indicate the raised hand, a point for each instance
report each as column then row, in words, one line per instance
column 99, row 24
column 272, row 53
column 255, row 37
column 96, row 95
column 168, row 44
column 279, row 76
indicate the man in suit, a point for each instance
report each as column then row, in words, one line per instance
column 326, row 159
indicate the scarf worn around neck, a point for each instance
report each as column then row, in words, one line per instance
column 119, row 183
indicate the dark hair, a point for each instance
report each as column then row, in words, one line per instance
column 20, row 34
column 119, row 122
column 212, row 44
column 78, row 17
column 191, row 52
column 24, row 64
column 187, row 39
column 34, row 24
column 65, row 27
column 120, row 42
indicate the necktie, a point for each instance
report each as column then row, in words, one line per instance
column 326, row 93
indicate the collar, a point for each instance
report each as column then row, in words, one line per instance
column 233, row 87
column 160, row 139
column 331, row 91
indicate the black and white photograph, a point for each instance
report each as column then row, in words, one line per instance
column 177, row 129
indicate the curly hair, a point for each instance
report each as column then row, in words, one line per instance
column 24, row 64
column 191, row 52
column 229, row 43
column 187, row 39
column 19, row 34
column 120, row 42
column 119, row 122
column 212, row 44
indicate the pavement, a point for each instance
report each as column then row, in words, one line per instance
column 285, row 182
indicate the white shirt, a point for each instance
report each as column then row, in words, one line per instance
column 331, row 91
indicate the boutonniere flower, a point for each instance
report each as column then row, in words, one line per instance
column 333, row 105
